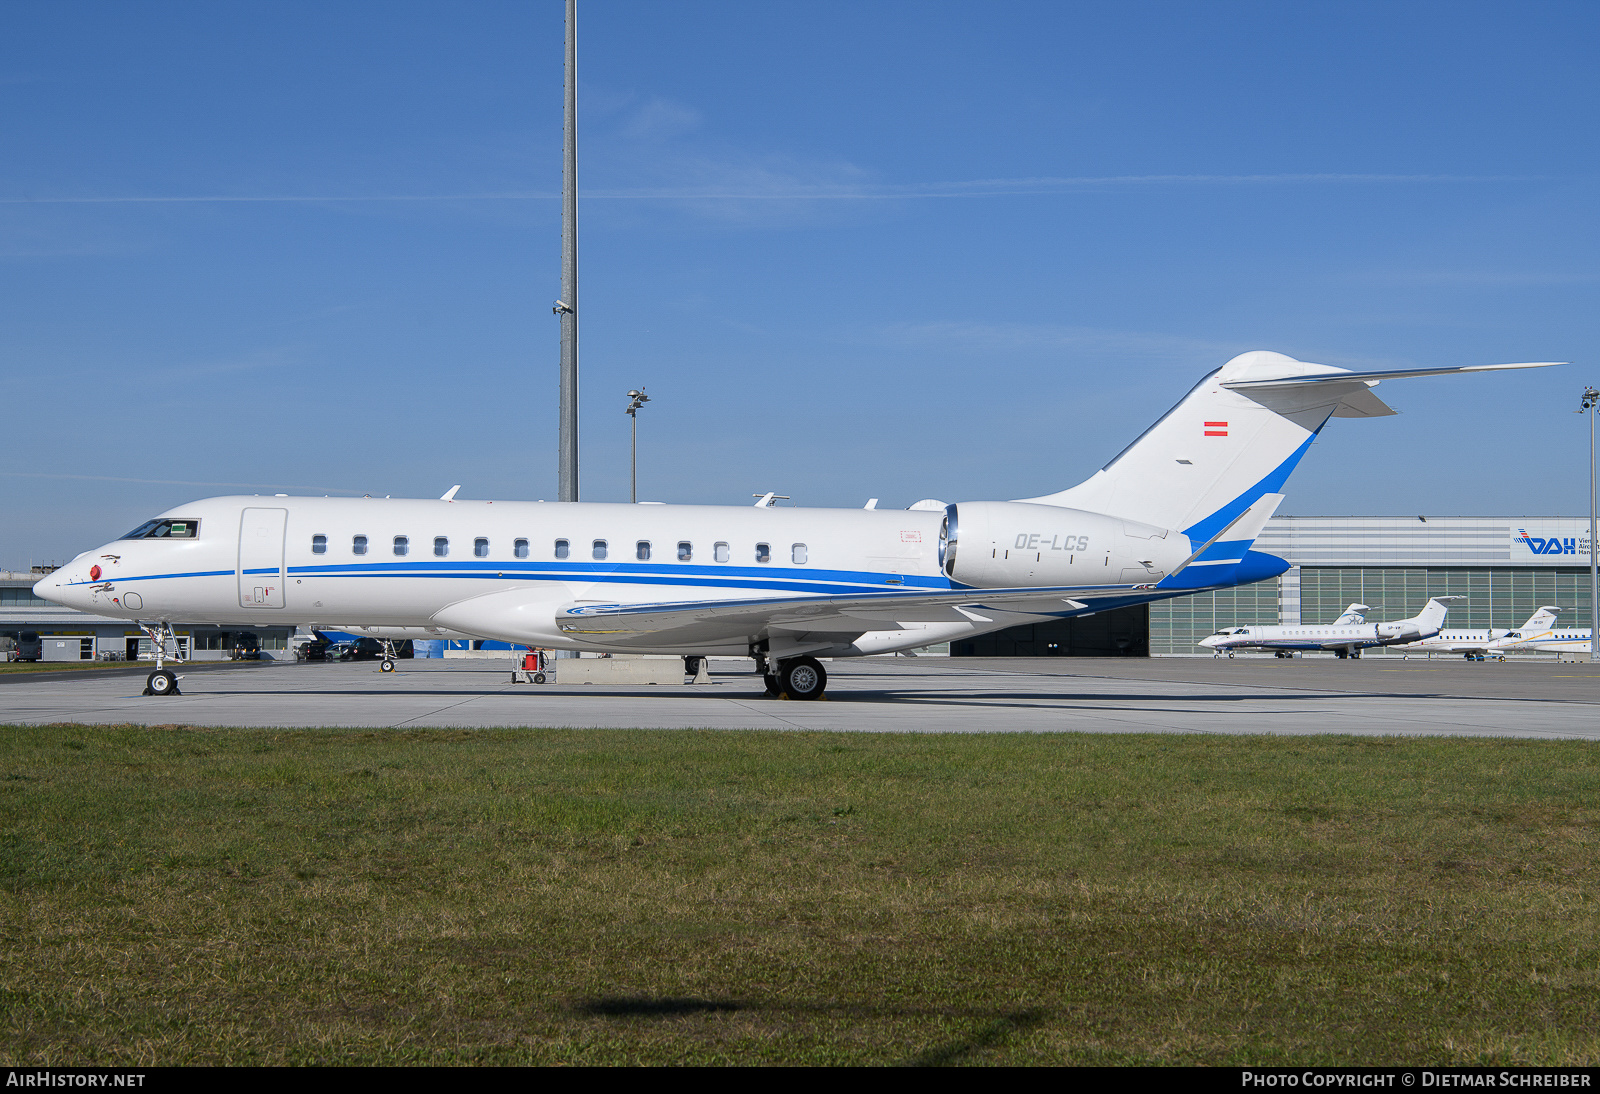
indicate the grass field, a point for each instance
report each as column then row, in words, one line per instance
column 187, row 896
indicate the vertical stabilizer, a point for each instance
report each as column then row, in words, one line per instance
column 1541, row 620
column 1219, row 450
column 1355, row 613
column 1431, row 618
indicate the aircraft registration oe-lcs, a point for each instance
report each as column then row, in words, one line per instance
column 1536, row 636
column 1344, row 639
column 1176, row 512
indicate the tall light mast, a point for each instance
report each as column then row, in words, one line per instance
column 567, row 306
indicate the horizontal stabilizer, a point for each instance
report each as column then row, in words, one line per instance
column 1344, row 376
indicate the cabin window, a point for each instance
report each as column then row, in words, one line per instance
column 480, row 548
column 319, row 545
column 358, row 545
column 763, row 552
column 641, row 550
column 562, row 548
column 441, row 546
column 520, row 548
column 599, row 549
column 720, row 552
column 402, row 545
column 685, row 550
column 798, row 554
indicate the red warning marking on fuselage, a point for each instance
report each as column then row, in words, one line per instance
column 1216, row 429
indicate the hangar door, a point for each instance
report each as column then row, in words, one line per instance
column 261, row 574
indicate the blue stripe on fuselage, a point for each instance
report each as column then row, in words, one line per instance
column 787, row 580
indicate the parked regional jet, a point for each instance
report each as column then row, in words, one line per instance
column 1536, row 636
column 1174, row 513
column 1345, row 640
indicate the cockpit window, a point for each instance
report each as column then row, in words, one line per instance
column 166, row 528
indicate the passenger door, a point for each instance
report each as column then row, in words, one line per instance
column 261, row 570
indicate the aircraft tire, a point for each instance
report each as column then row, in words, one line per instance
column 387, row 666
column 803, row 678
column 161, row 683
column 771, row 679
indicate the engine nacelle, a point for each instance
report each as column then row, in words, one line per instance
column 1401, row 631
column 1013, row 544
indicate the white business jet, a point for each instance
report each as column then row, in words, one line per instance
column 1537, row 636
column 1344, row 639
column 1476, row 645
column 1175, row 513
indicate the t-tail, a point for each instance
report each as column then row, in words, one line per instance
column 1354, row 614
column 1541, row 620
column 1425, row 624
column 1211, row 465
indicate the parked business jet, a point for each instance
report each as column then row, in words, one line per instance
column 1175, row 513
column 1473, row 645
column 1345, row 640
column 1536, row 636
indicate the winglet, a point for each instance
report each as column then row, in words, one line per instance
column 450, row 494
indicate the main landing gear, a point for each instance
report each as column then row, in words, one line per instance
column 163, row 681
column 796, row 677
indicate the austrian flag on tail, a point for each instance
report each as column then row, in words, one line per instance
column 1216, row 429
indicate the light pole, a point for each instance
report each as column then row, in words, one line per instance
column 1591, row 399
column 638, row 399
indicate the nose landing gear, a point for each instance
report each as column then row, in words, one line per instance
column 163, row 681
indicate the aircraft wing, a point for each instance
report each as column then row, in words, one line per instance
column 676, row 621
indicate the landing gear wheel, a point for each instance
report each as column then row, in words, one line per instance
column 387, row 666
column 161, row 683
column 773, row 690
column 803, row 678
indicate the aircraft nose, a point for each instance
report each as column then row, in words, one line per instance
column 49, row 587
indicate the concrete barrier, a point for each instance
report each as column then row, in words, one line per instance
column 618, row 670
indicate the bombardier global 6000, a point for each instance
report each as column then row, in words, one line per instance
column 1176, row 512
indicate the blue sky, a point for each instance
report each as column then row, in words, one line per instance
column 850, row 249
